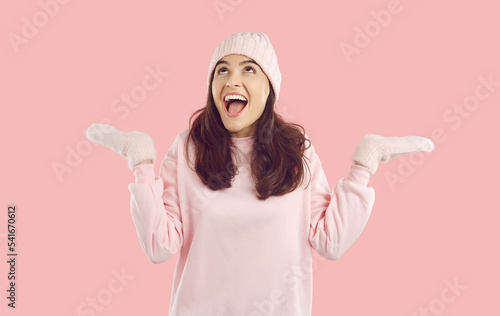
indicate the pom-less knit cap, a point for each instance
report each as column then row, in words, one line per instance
column 255, row 45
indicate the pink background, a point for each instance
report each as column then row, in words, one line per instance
column 75, row 232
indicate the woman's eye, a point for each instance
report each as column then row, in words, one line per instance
column 225, row 69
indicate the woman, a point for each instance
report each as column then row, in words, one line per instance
column 241, row 197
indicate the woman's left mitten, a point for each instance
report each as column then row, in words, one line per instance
column 374, row 149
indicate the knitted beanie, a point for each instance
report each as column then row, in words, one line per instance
column 255, row 45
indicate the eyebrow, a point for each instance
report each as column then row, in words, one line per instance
column 243, row 62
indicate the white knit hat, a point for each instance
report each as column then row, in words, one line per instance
column 255, row 45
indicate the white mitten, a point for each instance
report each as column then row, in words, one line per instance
column 375, row 148
column 135, row 146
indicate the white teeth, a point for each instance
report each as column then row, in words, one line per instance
column 235, row 97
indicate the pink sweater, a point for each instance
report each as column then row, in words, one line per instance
column 239, row 256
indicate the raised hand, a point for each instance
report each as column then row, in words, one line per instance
column 137, row 147
column 375, row 148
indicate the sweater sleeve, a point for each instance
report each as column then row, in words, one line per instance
column 155, row 209
column 338, row 217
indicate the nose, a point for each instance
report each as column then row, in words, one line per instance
column 234, row 80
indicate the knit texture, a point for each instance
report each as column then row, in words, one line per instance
column 255, row 45
column 375, row 148
column 135, row 146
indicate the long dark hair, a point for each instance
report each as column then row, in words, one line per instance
column 277, row 155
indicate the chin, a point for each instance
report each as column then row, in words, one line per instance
column 233, row 129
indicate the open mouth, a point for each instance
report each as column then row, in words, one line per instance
column 235, row 106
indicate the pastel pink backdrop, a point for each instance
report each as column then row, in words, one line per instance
column 75, row 233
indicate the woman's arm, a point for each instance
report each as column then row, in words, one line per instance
column 144, row 162
column 155, row 209
column 338, row 216
column 154, row 201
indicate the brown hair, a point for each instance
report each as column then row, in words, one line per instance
column 277, row 154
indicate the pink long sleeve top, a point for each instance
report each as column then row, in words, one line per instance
column 240, row 256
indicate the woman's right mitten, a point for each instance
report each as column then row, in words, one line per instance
column 135, row 146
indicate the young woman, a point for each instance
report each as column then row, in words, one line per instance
column 241, row 197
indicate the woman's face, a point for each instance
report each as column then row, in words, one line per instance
column 238, row 74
